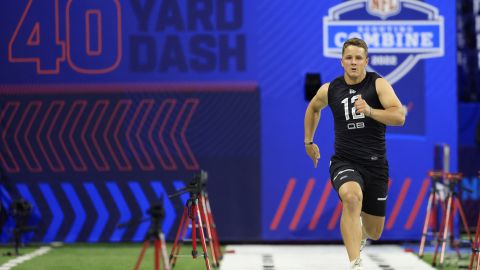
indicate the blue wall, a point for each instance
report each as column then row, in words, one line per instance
column 223, row 92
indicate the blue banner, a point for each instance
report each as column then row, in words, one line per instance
column 106, row 106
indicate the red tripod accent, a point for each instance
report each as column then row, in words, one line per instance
column 476, row 248
column 432, row 209
column 193, row 213
column 160, row 247
column 476, row 245
column 453, row 203
column 211, row 229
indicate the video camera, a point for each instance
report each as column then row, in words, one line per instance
column 21, row 208
column 195, row 187
column 156, row 211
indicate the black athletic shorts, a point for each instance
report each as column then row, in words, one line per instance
column 372, row 179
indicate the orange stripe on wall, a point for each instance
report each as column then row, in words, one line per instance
column 398, row 203
column 418, row 203
column 283, row 204
column 320, row 206
column 335, row 216
column 303, row 203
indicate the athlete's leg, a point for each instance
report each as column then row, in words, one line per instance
column 351, row 195
column 374, row 200
column 363, row 242
column 373, row 225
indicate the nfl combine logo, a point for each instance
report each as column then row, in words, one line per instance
column 399, row 33
column 383, row 8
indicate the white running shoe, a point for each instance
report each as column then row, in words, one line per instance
column 363, row 243
column 357, row 264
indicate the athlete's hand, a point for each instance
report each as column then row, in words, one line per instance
column 362, row 106
column 313, row 152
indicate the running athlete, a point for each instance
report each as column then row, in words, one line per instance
column 363, row 104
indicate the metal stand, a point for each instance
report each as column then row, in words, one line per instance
column 476, row 248
column 156, row 236
column 452, row 204
column 192, row 214
column 21, row 211
column 476, row 245
column 212, row 228
column 436, row 178
column 198, row 215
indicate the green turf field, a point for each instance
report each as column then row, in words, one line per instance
column 98, row 257
column 124, row 256
column 452, row 262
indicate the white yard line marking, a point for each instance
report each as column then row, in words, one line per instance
column 18, row 260
column 314, row 257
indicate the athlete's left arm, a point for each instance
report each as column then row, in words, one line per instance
column 394, row 113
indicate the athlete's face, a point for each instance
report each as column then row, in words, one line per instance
column 354, row 61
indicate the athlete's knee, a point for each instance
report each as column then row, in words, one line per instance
column 351, row 199
column 374, row 232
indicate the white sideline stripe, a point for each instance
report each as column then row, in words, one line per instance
column 314, row 257
column 16, row 261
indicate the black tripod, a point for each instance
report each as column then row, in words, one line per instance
column 21, row 211
column 156, row 236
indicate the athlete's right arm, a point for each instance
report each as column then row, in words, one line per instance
column 312, row 116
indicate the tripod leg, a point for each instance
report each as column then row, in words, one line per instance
column 180, row 232
column 464, row 220
column 478, row 262
column 17, row 243
column 439, row 235
column 476, row 247
column 458, row 206
column 214, row 234
column 448, row 221
column 437, row 204
column 213, row 228
column 203, row 215
column 216, row 241
column 454, row 243
column 162, row 249
column 157, row 254
column 202, row 238
column 425, row 225
column 142, row 253
column 194, row 218
column 472, row 259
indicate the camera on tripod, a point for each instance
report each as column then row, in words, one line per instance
column 21, row 211
column 155, row 235
column 197, row 215
column 195, row 187
column 156, row 211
